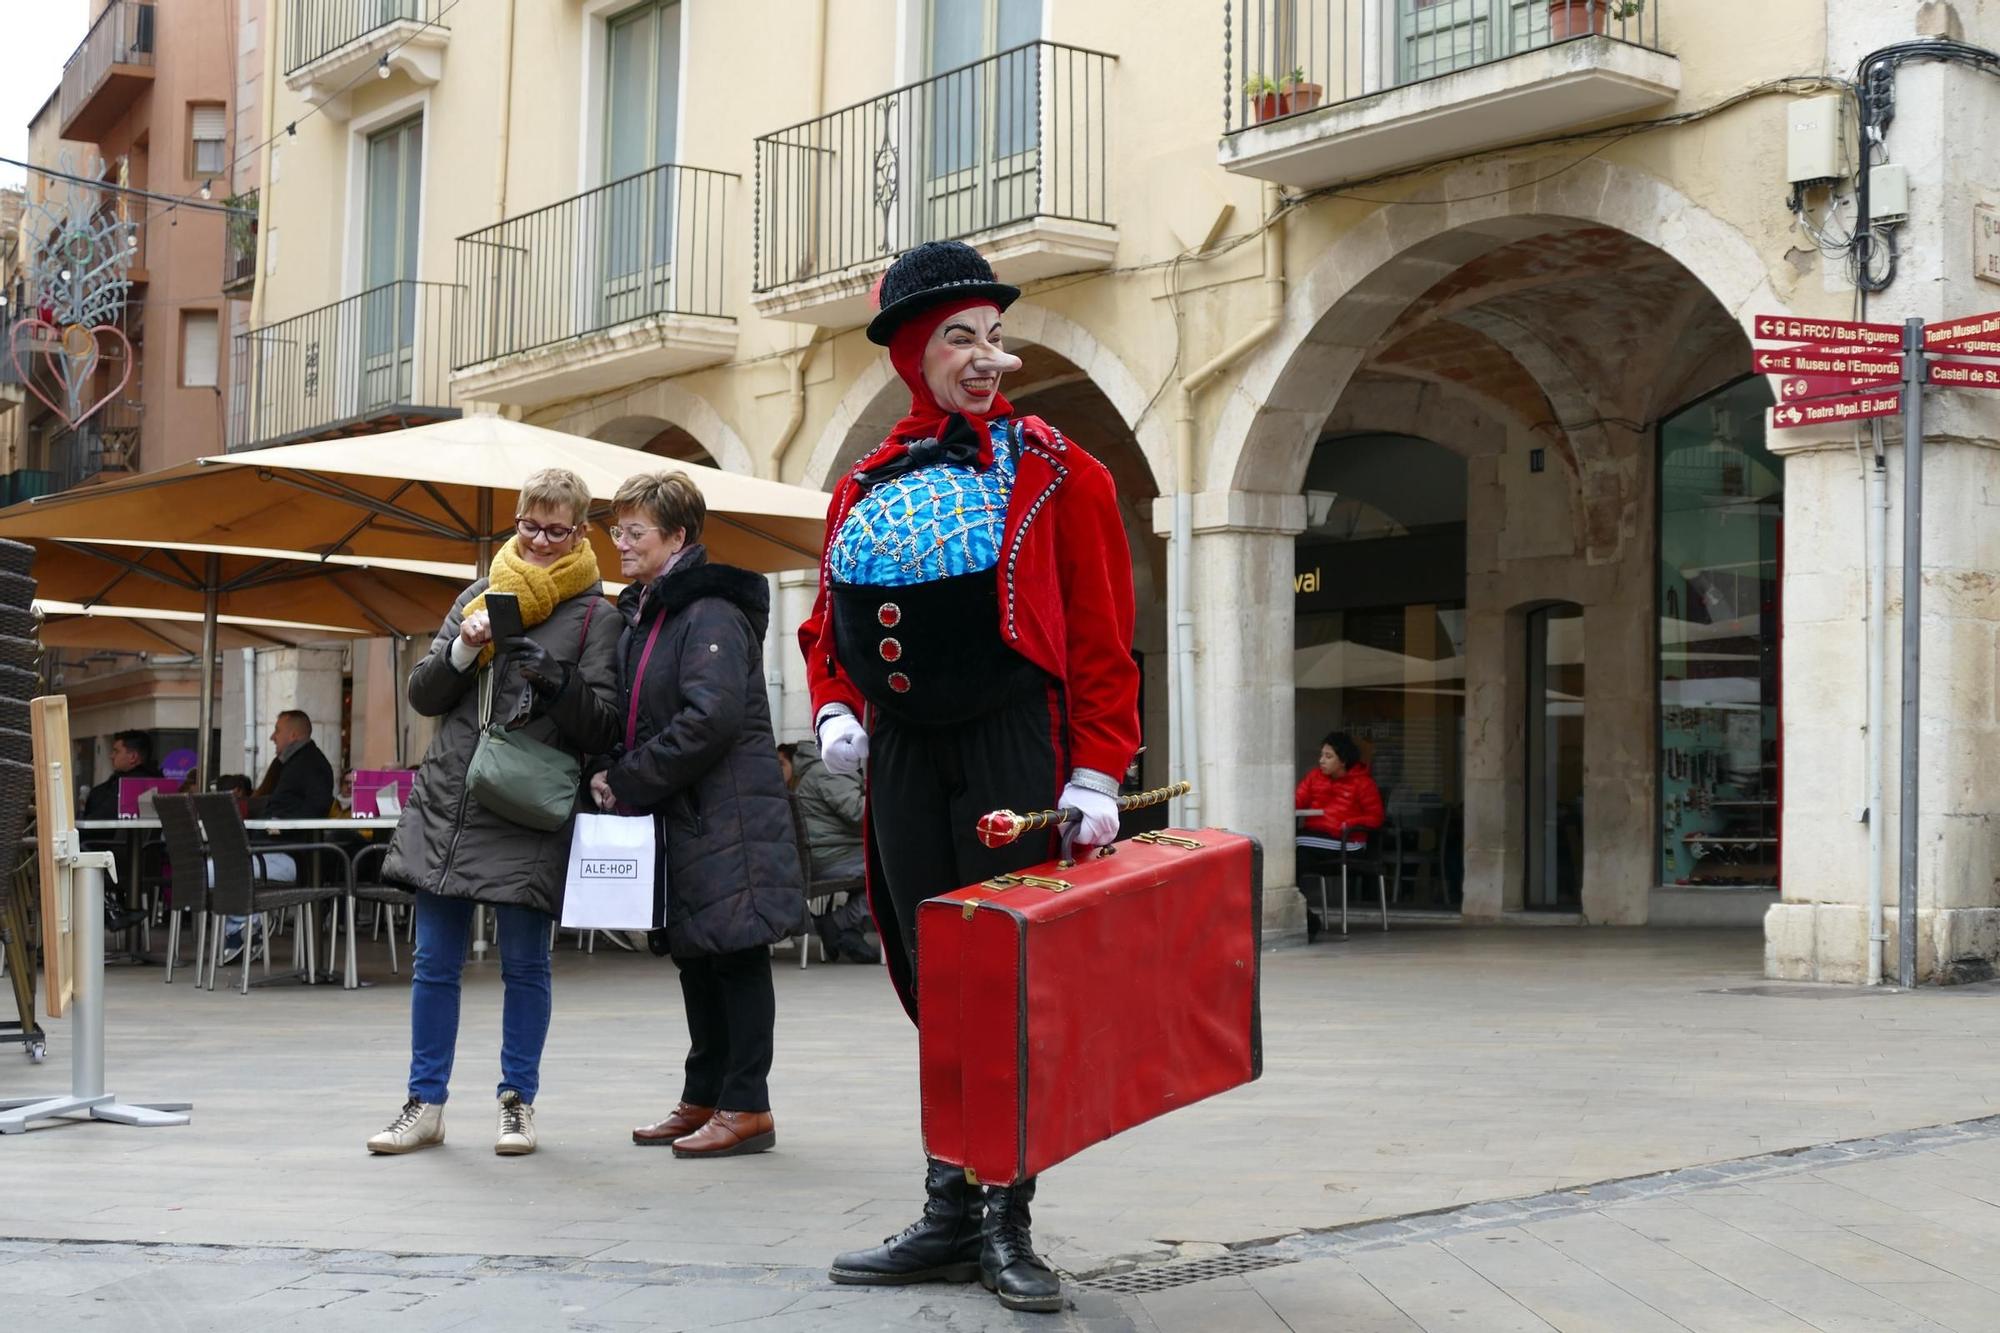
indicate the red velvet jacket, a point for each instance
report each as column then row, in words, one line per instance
column 1065, row 594
column 1350, row 800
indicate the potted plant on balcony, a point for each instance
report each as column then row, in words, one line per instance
column 1269, row 100
column 1580, row 18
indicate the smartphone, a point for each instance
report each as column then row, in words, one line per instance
column 504, row 610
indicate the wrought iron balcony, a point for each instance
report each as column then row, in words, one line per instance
column 239, row 244
column 111, row 67
column 377, row 361
column 105, row 442
column 1009, row 153
column 621, row 282
column 331, row 43
column 1316, row 92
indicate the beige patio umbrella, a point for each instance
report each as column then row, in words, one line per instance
column 137, row 630
column 437, row 493
column 443, row 492
column 344, row 594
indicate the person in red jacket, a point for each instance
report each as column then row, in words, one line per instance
column 971, row 645
column 1343, row 792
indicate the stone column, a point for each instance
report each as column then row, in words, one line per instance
column 1242, row 599
column 308, row 679
column 796, row 590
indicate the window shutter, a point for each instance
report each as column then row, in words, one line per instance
column 200, row 349
column 210, row 122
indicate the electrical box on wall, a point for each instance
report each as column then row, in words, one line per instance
column 1889, row 193
column 1817, row 148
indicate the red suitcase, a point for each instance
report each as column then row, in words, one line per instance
column 1060, row 1006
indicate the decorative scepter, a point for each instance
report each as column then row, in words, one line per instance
column 1004, row 826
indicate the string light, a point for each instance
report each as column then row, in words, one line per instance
column 208, row 189
column 382, row 67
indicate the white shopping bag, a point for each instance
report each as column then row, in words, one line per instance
column 611, row 866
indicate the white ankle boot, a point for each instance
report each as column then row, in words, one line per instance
column 420, row 1125
column 517, row 1126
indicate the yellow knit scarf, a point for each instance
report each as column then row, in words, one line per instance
column 541, row 590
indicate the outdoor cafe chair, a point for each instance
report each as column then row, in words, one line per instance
column 241, row 888
column 183, row 838
column 818, row 890
column 1322, row 859
column 380, row 894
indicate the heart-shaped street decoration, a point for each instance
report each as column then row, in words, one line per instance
column 71, row 353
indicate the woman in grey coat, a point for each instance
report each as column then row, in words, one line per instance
column 557, row 682
column 698, row 755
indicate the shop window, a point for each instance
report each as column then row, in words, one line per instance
column 1721, row 532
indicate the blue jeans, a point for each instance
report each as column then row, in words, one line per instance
column 444, row 928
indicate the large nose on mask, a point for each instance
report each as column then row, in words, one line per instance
column 997, row 363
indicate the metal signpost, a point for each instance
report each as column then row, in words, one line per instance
column 1839, row 371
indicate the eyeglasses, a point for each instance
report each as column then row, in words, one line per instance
column 557, row 533
column 630, row 534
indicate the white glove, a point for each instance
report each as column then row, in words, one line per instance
column 1099, row 825
column 843, row 743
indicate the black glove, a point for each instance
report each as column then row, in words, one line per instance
column 545, row 673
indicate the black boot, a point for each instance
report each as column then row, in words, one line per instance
column 940, row 1246
column 1008, row 1264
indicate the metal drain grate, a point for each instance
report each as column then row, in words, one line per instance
column 1164, row 1277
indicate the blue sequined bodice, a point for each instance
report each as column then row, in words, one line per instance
column 927, row 524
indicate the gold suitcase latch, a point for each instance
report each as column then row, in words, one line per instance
column 1002, row 883
column 1168, row 840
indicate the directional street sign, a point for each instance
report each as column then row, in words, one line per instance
column 1834, row 411
column 1951, row 332
column 1974, row 347
column 1795, row 388
column 1965, row 375
column 1820, row 361
column 1783, row 328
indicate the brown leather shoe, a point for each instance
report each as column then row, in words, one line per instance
column 686, row 1119
column 730, row 1134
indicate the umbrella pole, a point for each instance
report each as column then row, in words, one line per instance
column 211, row 601
column 483, row 516
column 483, row 560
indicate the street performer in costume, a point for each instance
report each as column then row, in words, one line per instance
column 971, row 646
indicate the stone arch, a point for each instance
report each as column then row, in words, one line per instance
column 1359, row 285
column 875, row 400
column 672, row 403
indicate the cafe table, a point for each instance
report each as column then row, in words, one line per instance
column 137, row 829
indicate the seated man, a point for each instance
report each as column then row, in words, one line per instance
column 131, row 757
column 297, row 785
column 1343, row 793
column 830, row 804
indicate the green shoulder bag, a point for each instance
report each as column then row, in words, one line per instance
column 518, row 777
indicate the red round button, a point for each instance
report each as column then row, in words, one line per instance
column 891, row 650
column 899, row 682
column 889, row 614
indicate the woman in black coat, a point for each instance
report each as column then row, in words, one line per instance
column 700, row 758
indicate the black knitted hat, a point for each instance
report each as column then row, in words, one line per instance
column 928, row 274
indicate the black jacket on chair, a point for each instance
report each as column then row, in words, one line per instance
column 300, row 787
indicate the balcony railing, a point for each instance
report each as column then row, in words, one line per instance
column 375, row 360
column 650, row 244
column 1015, row 136
column 239, row 252
column 105, row 442
column 315, row 29
column 121, row 37
column 1284, row 58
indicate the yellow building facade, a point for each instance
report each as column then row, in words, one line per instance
column 1417, row 336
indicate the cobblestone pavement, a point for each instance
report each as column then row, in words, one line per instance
column 1899, row 1234
column 1423, row 1072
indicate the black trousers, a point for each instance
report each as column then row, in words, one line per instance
column 731, row 1011
column 927, row 788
